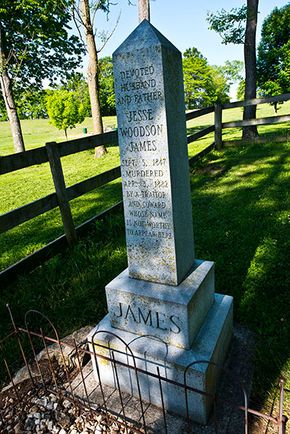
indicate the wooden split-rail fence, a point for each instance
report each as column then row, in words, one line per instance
column 52, row 153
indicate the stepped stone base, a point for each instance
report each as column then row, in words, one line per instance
column 174, row 314
column 173, row 363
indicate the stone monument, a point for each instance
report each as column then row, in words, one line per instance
column 163, row 307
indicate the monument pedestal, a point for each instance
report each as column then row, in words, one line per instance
column 199, row 330
column 150, row 354
column 173, row 314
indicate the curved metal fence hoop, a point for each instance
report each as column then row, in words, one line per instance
column 115, row 336
column 229, row 375
column 109, row 333
column 136, row 372
column 37, row 312
column 157, row 338
column 58, row 341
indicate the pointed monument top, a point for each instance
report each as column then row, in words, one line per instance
column 144, row 35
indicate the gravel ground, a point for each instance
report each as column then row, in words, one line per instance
column 44, row 412
column 51, row 414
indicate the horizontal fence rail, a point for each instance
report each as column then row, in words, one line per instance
column 90, row 184
column 198, row 113
column 199, row 134
column 27, row 212
column 219, row 125
column 53, row 152
column 262, row 121
column 86, row 143
column 10, row 163
column 256, row 101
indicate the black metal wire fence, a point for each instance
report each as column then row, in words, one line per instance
column 71, row 371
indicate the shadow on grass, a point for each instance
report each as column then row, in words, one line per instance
column 69, row 288
column 240, row 222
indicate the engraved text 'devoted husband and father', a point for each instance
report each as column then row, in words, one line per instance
column 154, row 160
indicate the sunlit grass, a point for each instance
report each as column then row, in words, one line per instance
column 29, row 184
column 240, row 200
column 37, row 132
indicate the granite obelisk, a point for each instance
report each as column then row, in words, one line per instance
column 166, row 296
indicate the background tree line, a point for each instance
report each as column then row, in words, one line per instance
column 36, row 44
column 32, row 102
column 204, row 85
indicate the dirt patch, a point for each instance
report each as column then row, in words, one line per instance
column 211, row 169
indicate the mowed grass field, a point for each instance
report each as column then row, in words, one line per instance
column 26, row 185
column 241, row 214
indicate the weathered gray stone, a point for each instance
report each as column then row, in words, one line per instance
column 210, row 346
column 163, row 312
column 173, row 314
column 154, row 160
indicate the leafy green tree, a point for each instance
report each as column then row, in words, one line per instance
column 31, row 103
column 273, row 65
column 239, row 26
column 34, row 45
column 65, row 109
column 232, row 70
column 229, row 25
column 204, row 84
column 241, row 90
column 196, row 75
column 218, row 86
column 78, row 84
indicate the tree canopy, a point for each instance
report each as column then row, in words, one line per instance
column 204, row 84
column 107, row 93
column 229, row 24
column 232, row 70
column 35, row 44
column 273, row 65
column 65, row 109
column 36, row 40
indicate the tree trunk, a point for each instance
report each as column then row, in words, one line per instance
column 251, row 132
column 6, row 88
column 144, row 10
column 93, row 74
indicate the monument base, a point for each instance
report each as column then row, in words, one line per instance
column 173, row 314
column 150, row 354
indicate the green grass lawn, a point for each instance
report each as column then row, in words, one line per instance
column 26, row 185
column 241, row 212
column 240, row 200
column 39, row 131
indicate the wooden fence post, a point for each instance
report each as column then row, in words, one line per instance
column 218, row 126
column 61, row 193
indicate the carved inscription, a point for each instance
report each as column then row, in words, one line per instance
column 148, row 317
column 144, row 156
